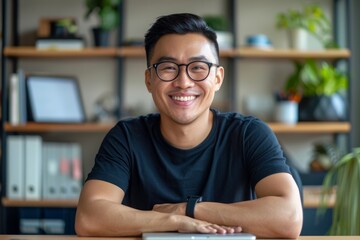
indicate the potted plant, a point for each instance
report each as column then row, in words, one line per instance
column 321, row 86
column 311, row 19
column 108, row 16
column 345, row 177
column 220, row 25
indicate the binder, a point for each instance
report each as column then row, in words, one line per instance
column 76, row 170
column 15, row 167
column 50, row 186
column 33, row 167
column 63, row 157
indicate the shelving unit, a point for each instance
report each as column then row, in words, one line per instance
column 135, row 52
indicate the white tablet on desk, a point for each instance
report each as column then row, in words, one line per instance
column 196, row 236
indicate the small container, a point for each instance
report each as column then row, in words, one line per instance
column 286, row 112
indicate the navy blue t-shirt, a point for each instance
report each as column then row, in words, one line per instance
column 225, row 167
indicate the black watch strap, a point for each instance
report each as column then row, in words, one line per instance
column 190, row 206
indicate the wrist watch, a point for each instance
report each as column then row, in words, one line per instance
column 190, row 206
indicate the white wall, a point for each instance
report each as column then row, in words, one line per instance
column 257, row 78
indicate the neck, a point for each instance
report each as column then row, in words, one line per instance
column 186, row 136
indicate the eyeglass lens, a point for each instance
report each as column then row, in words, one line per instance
column 168, row 71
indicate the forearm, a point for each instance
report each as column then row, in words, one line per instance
column 265, row 217
column 104, row 218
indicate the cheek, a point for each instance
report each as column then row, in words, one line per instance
column 210, row 87
column 157, row 89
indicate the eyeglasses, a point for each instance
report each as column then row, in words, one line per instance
column 197, row 70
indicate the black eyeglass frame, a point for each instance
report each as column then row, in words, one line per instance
column 210, row 64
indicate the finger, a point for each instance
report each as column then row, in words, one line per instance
column 206, row 229
column 229, row 229
column 238, row 229
column 220, row 229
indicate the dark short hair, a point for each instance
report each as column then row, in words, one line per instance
column 179, row 23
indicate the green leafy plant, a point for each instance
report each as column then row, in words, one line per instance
column 312, row 79
column 312, row 19
column 217, row 22
column 345, row 175
column 107, row 11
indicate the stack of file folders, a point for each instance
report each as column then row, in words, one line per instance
column 42, row 170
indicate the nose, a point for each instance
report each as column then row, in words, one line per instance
column 183, row 80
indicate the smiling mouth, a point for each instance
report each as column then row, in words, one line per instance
column 183, row 98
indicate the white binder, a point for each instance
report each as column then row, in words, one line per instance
column 15, row 167
column 33, row 167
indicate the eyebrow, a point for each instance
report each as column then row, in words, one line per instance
column 196, row 58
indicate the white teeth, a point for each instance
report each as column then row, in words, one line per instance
column 183, row 98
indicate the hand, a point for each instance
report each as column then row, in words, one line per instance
column 193, row 225
column 174, row 208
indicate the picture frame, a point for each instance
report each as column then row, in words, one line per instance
column 54, row 99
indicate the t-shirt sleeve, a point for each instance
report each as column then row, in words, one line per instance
column 112, row 162
column 263, row 152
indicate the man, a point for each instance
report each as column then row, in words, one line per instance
column 151, row 172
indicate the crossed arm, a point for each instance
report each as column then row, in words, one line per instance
column 276, row 213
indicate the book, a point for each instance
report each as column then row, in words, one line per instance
column 14, row 101
column 76, row 43
column 17, row 98
column 22, row 97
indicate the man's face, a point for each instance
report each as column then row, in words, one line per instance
column 183, row 100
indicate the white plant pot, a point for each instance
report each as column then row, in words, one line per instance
column 298, row 39
column 225, row 39
column 286, row 112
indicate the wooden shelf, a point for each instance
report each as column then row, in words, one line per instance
column 66, row 203
column 139, row 51
column 311, row 127
column 32, row 127
column 312, row 195
column 302, row 127
column 132, row 51
column 32, row 52
column 292, row 54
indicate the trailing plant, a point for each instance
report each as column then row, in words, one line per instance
column 107, row 11
column 345, row 177
column 313, row 79
column 312, row 19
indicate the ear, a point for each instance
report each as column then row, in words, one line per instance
column 219, row 78
column 148, row 80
